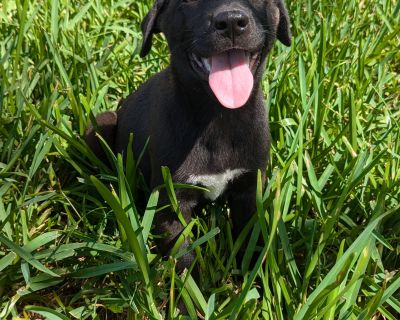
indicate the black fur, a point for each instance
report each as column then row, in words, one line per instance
column 189, row 131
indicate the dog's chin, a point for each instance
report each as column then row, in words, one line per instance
column 202, row 65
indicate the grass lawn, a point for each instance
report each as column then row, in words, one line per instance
column 73, row 244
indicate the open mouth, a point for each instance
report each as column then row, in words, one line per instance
column 230, row 75
column 203, row 65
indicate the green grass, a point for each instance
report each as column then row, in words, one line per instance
column 73, row 245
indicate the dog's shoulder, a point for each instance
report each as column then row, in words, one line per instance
column 154, row 91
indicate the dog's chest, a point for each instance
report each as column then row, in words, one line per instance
column 221, row 152
column 215, row 183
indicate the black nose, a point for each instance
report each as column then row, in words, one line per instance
column 231, row 23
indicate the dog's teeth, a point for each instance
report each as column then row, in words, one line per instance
column 206, row 64
column 198, row 62
column 194, row 57
column 253, row 59
column 248, row 57
column 202, row 63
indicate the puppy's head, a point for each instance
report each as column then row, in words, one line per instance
column 221, row 43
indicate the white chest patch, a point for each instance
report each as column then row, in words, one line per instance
column 215, row 183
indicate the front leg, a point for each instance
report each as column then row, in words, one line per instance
column 242, row 204
column 169, row 228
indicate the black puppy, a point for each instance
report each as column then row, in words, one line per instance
column 204, row 115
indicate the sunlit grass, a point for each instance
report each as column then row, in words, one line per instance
column 75, row 242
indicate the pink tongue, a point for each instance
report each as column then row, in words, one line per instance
column 231, row 79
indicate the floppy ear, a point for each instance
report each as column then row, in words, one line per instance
column 150, row 26
column 283, row 33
